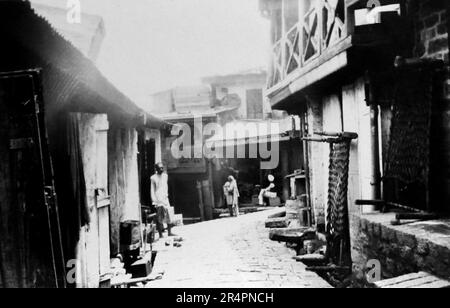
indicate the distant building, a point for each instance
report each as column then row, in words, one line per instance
column 189, row 178
column 233, row 101
column 249, row 86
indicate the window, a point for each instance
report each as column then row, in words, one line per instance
column 255, row 104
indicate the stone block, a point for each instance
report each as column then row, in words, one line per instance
column 391, row 267
column 388, row 234
column 364, row 225
column 423, row 248
column 406, row 239
column 431, row 20
column 376, row 230
column 406, row 253
column 438, row 45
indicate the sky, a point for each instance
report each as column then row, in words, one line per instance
column 154, row 45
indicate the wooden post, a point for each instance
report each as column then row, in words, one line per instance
column 285, row 170
column 207, row 200
column 211, row 182
column 200, row 200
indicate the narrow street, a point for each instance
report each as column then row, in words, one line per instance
column 230, row 253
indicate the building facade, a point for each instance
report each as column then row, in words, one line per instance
column 88, row 145
column 360, row 67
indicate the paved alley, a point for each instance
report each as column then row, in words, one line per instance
column 230, row 253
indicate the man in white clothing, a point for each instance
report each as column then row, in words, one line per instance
column 160, row 199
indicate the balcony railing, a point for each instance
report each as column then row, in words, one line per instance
column 319, row 29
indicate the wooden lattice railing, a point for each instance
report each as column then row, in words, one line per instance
column 319, row 29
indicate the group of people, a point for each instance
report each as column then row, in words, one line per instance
column 164, row 212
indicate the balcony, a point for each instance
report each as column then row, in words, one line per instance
column 323, row 30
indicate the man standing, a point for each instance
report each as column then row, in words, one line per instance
column 233, row 191
column 160, row 199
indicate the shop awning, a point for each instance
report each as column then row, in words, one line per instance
column 243, row 132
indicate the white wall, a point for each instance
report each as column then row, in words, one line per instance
column 93, row 251
column 316, row 161
column 357, row 119
column 242, row 92
column 123, row 178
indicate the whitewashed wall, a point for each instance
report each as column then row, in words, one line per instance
column 123, row 179
column 357, row 119
column 93, row 251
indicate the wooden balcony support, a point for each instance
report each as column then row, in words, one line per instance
column 320, row 45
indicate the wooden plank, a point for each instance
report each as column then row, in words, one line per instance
column 280, row 222
column 127, row 280
column 292, row 235
column 397, row 280
column 440, row 284
column 414, row 282
column 329, row 54
column 315, row 257
column 419, row 216
column 277, row 215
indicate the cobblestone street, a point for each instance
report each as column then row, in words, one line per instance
column 230, row 252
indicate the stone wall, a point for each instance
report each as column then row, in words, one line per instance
column 400, row 249
column 431, row 29
column 431, row 35
column 415, row 247
column 445, row 120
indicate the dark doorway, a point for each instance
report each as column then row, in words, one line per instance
column 147, row 162
column 31, row 253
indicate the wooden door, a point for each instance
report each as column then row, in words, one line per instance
column 94, row 246
column 30, row 243
column 102, row 194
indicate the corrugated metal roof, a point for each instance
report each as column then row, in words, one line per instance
column 254, row 131
column 70, row 79
column 87, row 35
column 204, row 113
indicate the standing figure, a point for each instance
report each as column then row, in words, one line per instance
column 160, row 199
column 233, row 194
column 228, row 197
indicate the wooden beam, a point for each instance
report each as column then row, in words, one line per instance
column 292, row 235
column 280, row 222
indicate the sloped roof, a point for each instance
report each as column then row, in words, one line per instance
column 255, row 75
column 71, row 81
column 254, row 131
column 205, row 113
column 87, row 36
